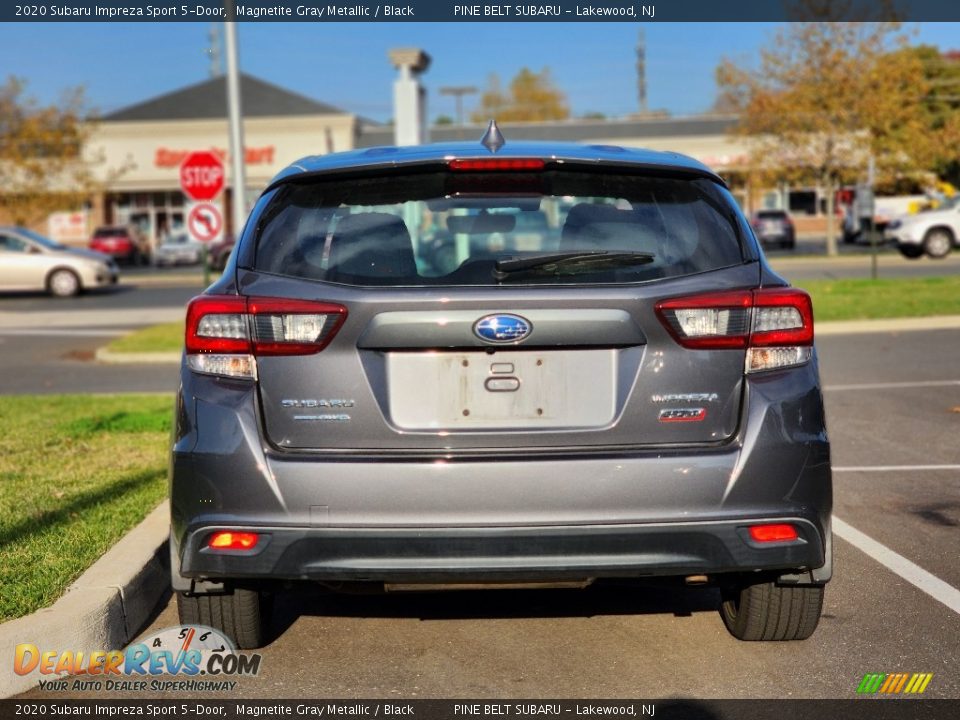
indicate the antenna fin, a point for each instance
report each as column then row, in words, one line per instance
column 493, row 139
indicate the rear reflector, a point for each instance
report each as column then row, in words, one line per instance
column 225, row 334
column 773, row 533
column 777, row 320
column 233, row 541
column 497, row 164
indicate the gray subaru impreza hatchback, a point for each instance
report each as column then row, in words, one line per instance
column 505, row 364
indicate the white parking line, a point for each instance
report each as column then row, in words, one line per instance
column 892, row 468
column 911, row 572
column 893, row 385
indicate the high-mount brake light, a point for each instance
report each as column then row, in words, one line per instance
column 225, row 334
column 774, row 325
column 497, row 164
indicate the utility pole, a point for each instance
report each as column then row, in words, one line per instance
column 642, row 71
column 458, row 91
column 216, row 64
column 239, row 205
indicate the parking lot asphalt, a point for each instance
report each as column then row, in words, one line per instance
column 893, row 412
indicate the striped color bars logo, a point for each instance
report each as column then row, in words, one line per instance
column 894, row 683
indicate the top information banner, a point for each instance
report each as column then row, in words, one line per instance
column 448, row 11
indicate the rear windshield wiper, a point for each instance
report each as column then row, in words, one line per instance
column 569, row 263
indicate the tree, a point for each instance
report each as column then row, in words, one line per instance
column 941, row 108
column 531, row 96
column 43, row 166
column 443, row 120
column 824, row 98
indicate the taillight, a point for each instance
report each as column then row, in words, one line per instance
column 497, row 164
column 225, row 334
column 774, row 325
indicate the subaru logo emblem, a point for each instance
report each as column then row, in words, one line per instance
column 502, row 328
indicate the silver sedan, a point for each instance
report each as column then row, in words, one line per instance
column 29, row 261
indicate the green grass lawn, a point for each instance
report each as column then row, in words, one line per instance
column 156, row 338
column 76, row 473
column 869, row 299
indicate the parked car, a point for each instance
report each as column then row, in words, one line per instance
column 178, row 249
column 219, row 253
column 122, row 242
column 30, row 261
column 642, row 399
column 775, row 228
column 932, row 232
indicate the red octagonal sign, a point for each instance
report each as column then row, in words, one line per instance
column 201, row 175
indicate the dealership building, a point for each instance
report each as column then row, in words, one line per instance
column 139, row 148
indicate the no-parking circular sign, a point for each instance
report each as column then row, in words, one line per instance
column 204, row 222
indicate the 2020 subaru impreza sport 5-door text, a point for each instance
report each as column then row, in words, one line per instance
column 555, row 363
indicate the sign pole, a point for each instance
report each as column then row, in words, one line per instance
column 205, row 260
column 871, row 179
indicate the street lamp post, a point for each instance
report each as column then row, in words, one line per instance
column 239, row 205
column 458, row 91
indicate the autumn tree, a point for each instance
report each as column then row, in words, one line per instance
column 940, row 107
column 824, row 98
column 531, row 96
column 43, row 165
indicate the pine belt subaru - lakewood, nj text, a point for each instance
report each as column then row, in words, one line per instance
column 392, row 387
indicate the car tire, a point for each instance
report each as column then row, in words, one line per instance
column 240, row 615
column 911, row 251
column 63, row 283
column 937, row 243
column 767, row 611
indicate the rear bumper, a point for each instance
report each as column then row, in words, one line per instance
column 518, row 515
column 501, row 554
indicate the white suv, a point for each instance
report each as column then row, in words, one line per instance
column 933, row 232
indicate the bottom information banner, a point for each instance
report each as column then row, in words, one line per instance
column 672, row 709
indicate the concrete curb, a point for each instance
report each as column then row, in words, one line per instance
column 104, row 609
column 137, row 358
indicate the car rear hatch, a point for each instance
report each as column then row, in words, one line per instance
column 626, row 327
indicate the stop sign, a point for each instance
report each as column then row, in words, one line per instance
column 201, row 175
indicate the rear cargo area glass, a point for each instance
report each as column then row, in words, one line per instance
column 432, row 228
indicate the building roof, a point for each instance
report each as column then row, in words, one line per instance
column 208, row 100
column 436, row 153
column 571, row 130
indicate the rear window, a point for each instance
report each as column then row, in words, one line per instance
column 772, row 215
column 445, row 228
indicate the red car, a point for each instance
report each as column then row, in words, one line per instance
column 119, row 242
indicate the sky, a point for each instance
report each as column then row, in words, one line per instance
column 346, row 65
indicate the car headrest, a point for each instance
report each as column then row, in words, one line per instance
column 368, row 246
column 592, row 227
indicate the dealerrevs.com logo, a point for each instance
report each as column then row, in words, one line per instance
column 203, row 659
